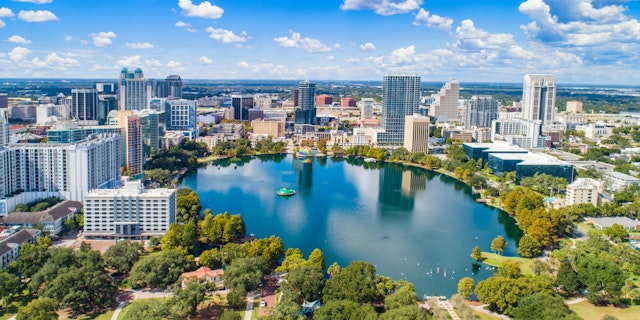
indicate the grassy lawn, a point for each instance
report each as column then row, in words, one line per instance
column 587, row 311
column 496, row 260
column 63, row 315
column 483, row 316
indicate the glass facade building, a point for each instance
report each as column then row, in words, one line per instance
column 400, row 98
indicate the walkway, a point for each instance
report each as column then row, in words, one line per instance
column 249, row 310
column 481, row 308
column 444, row 304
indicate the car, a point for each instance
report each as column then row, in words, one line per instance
column 260, row 284
column 263, row 303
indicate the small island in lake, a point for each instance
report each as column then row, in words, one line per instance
column 285, row 192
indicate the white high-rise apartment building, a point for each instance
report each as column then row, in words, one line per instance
column 416, row 133
column 29, row 171
column 445, row 104
column 521, row 132
column 539, row 98
column 131, row 212
column 4, row 127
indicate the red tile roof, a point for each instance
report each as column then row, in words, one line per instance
column 203, row 272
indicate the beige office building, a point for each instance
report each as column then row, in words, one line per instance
column 273, row 128
column 574, row 106
column 584, row 190
column 416, row 133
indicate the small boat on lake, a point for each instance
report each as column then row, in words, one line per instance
column 285, row 192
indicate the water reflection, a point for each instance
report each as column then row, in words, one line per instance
column 303, row 167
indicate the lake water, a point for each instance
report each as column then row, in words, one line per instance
column 411, row 223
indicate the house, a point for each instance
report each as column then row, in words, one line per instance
column 207, row 274
column 52, row 218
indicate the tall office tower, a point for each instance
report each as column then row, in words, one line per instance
column 480, row 111
column 367, row 108
column 133, row 89
column 416, row 133
column 4, row 127
column 241, row 105
column 400, row 98
column 4, row 100
column 153, row 126
column 539, row 97
column 181, row 114
column 305, row 110
column 84, row 104
column 445, row 105
column 171, row 87
column 133, row 141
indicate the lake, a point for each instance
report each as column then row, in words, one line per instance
column 411, row 223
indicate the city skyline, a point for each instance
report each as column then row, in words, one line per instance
column 581, row 41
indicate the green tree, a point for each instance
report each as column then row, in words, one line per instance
column 402, row 297
column 617, row 233
column 160, row 270
column 316, row 258
column 245, row 272
column 413, row 312
column 567, row 278
column 542, row 306
column 510, row 269
column 9, row 285
column 272, row 248
column 123, row 255
column 161, row 176
column 345, row 310
column 498, row 244
column 334, row 269
column 305, row 280
column 187, row 205
column 465, row 287
column 603, row 277
column 228, row 314
column 476, row 254
column 191, row 296
column 356, row 282
column 528, row 247
column 151, row 309
column 181, row 237
column 39, row 309
column 237, row 297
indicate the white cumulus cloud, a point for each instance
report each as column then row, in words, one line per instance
column 152, row 63
column 18, row 53
column 225, row 36
column 297, row 41
column 382, row 7
column 424, row 18
column 205, row 60
column 18, row 39
column 243, row 64
column 131, row 61
column 37, row 16
column 182, row 24
column 471, row 38
column 367, row 46
column 54, row 61
column 203, row 10
column 139, row 45
column 6, row 12
column 2, row 24
column 103, row 39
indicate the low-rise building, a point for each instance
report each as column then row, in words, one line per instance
column 529, row 164
column 616, row 181
column 10, row 242
column 273, row 128
column 607, row 222
column 51, row 218
column 206, row 275
column 130, row 212
column 584, row 190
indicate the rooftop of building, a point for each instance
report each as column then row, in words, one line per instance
column 203, row 272
column 622, row 176
column 54, row 213
column 606, row 222
column 8, row 243
column 531, row 158
column 584, row 183
column 131, row 188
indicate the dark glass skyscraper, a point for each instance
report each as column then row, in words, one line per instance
column 85, row 104
column 305, row 110
column 400, row 98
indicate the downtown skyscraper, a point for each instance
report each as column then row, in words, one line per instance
column 480, row 111
column 305, row 109
column 539, row 97
column 400, row 98
column 134, row 90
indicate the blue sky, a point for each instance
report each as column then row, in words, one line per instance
column 581, row 41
